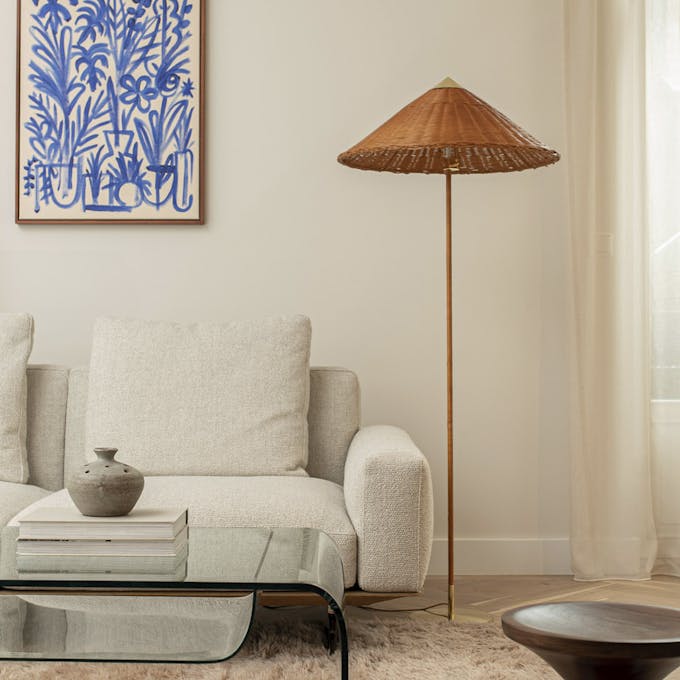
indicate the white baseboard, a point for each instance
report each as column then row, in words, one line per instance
column 489, row 556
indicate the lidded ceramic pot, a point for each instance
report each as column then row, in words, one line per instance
column 105, row 487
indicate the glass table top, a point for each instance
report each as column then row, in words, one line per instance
column 279, row 558
column 114, row 624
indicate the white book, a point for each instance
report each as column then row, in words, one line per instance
column 64, row 523
column 178, row 575
column 98, row 564
column 109, row 546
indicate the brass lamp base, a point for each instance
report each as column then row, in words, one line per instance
column 463, row 614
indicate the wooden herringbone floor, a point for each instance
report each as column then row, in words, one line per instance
column 490, row 596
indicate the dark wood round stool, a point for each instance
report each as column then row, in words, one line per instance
column 599, row 640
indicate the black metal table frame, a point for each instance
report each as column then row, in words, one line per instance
column 202, row 589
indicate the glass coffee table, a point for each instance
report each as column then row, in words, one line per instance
column 200, row 613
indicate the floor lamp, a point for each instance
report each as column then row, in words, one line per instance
column 445, row 131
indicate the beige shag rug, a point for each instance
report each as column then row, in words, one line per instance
column 287, row 644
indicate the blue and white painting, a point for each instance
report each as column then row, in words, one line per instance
column 109, row 110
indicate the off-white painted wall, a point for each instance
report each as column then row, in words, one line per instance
column 290, row 85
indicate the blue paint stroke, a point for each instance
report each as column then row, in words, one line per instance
column 111, row 106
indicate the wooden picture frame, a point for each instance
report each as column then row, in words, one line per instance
column 110, row 112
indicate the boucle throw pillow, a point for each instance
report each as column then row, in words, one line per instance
column 16, row 342
column 204, row 398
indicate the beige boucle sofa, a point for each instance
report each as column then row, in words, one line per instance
column 369, row 488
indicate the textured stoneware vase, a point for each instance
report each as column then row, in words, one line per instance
column 105, row 487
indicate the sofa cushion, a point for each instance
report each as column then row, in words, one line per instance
column 333, row 419
column 278, row 501
column 47, row 398
column 15, row 497
column 202, row 399
column 16, row 341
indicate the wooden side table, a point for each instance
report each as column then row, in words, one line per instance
column 599, row 640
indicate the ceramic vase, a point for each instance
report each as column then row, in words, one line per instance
column 105, row 487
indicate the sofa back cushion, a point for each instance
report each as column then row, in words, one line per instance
column 201, row 399
column 47, row 397
column 16, row 342
column 334, row 418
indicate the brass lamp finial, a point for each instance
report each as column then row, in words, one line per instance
column 447, row 82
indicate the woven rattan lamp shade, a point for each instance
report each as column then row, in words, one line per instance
column 448, row 129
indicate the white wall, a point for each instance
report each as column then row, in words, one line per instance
column 290, row 85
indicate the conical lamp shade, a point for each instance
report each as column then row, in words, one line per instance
column 448, row 129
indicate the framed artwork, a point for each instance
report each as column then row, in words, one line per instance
column 110, row 111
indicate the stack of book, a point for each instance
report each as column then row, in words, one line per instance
column 144, row 545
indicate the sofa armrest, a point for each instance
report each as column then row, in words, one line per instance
column 388, row 495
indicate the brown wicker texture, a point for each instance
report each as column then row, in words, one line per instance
column 448, row 129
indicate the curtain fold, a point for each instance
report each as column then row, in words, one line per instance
column 613, row 533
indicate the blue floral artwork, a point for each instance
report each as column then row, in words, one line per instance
column 110, row 110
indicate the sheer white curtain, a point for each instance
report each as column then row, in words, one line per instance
column 623, row 115
column 613, row 532
column 663, row 141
